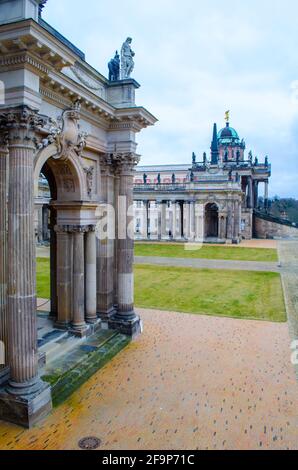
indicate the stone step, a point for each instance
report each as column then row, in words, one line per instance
column 76, row 367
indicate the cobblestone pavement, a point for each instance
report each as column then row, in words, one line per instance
column 288, row 255
column 209, row 263
column 188, row 382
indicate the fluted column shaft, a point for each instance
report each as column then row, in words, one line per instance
column 236, row 220
column 125, row 241
column 78, row 298
column 90, row 274
column 174, row 220
column 64, row 277
column 53, row 264
column 3, row 249
column 22, row 330
column 105, row 245
column 164, row 220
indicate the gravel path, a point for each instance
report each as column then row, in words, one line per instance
column 209, row 263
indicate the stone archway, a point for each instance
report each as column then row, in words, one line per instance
column 72, row 241
column 211, row 220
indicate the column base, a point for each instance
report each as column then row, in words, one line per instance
column 79, row 332
column 127, row 325
column 25, row 410
column 106, row 316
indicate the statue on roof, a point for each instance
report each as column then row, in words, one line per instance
column 114, row 68
column 158, row 178
column 173, row 178
column 227, row 116
column 145, row 177
column 127, row 61
column 194, row 158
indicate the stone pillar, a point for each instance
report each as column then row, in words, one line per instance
column 126, row 320
column 78, row 290
column 106, row 247
column 230, row 221
column 192, row 220
column 3, row 255
column 159, row 222
column 90, row 275
column 26, row 398
column 199, row 222
column 45, row 223
column 164, row 234
column 236, row 230
column 64, row 277
column 186, row 233
column 174, row 220
column 145, row 221
column 266, row 194
column 181, row 219
column 256, row 194
column 53, row 264
column 223, row 226
column 250, row 197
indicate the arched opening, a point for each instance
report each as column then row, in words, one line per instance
column 71, row 255
column 211, row 221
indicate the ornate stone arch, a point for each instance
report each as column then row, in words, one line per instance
column 69, row 174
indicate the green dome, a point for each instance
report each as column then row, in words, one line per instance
column 228, row 135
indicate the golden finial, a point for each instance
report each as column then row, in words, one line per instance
column 227, row 116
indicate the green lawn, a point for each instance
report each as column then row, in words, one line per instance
column 238, row 294
column 206, row 252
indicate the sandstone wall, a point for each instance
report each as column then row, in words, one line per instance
column 269, row 229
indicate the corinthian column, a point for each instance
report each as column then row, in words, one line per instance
column 29, row 397
column 78, row 299
column 106, row 291
column 126, row 319
column 3, row 255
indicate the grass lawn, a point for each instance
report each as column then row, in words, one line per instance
column 207, row 252
column 238, row 294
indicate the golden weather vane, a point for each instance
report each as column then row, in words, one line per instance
column 227, row 116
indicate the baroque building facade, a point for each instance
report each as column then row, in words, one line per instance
column 212, row 200
column 63, row 120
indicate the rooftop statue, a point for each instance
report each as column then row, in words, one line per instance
column 127, row 62
column 114, row 68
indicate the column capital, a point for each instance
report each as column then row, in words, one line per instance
column 125, row 162
column 20, row 124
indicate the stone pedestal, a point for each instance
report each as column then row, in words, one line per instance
column 25, row 410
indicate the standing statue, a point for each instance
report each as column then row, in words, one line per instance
column 266, row 161
column 192, row 176
column 158, row 178
column 194, row 158
column 127, row 62
column 114, row 68
column 204, row 158
column 173, row 178
column 250, row 157
column 145, row 178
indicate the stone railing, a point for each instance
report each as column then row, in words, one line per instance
column 274, row 219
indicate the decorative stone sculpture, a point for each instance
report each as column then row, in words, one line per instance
column 145, row 178
column 127, row 62
column 173, row 178
column 194, row 158
column 114, row 68
column 158, row 178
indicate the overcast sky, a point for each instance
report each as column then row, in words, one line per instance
column 196, row 59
